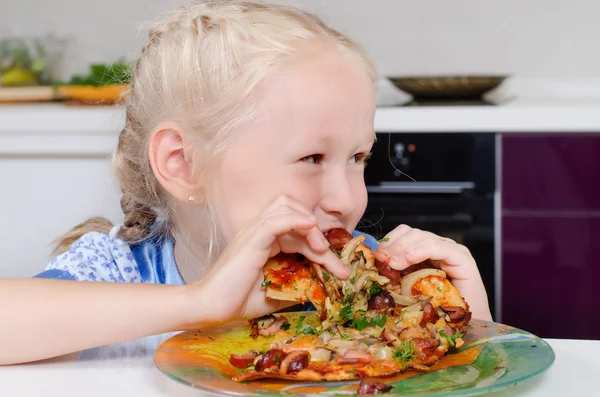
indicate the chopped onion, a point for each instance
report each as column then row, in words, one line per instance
column 360, row 282
column 349, row 249
column 320, row 354
column 404, row 300
column 317, row 268
column 381, row 280
column 383, row 353
column 410, row 279
column 360, row 303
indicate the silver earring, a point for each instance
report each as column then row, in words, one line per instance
column 191, row 197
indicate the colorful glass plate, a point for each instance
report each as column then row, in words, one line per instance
column 495, row 356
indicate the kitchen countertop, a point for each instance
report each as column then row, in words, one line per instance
column 126, row 369
column 58, row 129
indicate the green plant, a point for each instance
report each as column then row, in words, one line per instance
column 104, row 74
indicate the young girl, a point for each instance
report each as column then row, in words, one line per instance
column 247, row 130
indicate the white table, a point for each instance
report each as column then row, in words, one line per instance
column 127, row 369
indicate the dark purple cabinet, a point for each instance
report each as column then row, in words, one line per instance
column 551, row 234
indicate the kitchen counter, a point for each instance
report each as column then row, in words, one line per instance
column 126, row 369
column 57, row 129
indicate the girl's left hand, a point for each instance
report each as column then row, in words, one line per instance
column 405, row 246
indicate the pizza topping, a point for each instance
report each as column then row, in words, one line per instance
column 448, row 330
column 451, row 337
column 349, row 251
column 294, row 362
column 429, row 315
column 410, row 279
column 338, row 238
column 372, row 386
column 432, row 329
column 389, row 336
column 341, row 346
column 356, row 357
column 381, row 301
column 272, row 358
column 383, row 352
column 274, row 326
column 265, row 321
column 243, row 361
column 425, row 347
column 319, row 271
column 455, row 313
column 404, row 300
column 386, row 271
column 320, row 354
column 406, row 351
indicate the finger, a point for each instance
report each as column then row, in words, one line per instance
column 329, row 260
column 394, row 254
column 286, row 202
column 400, row 230
column 277, row 225
column 447, row 256
column 317, row 240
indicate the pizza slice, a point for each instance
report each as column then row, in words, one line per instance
column 378, row 322
column 289, row 277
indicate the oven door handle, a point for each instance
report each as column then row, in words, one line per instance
column 421, row 187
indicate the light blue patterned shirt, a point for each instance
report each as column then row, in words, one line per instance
column 99, row 257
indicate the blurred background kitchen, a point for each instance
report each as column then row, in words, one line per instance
column 488, row 125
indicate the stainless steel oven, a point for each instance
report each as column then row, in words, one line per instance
column 441, row 182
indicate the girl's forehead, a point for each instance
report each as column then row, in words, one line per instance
column 329, row 94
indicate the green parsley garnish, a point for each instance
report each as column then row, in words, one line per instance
column 299, row 325
column 326, row 276
column 309, row 331
column 250, row 365
column 265, row 284
column 405, row 352
column 352, row 279
column 346, row 336
column 452, row 338
column 242, row 371
column 375, row 289
column 346, row 312
column 285, row 326
column 347, row 295
column 361, row 323
column 378, row 320
column 383, row 239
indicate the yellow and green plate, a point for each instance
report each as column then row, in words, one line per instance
column 495, row 356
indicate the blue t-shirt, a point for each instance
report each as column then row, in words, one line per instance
column 99, row 257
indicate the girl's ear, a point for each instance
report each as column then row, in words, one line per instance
column 173, row 164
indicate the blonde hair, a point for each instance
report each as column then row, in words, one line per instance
column 199, row 67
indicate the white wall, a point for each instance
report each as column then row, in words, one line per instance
column 43, row 197
column 525, row 38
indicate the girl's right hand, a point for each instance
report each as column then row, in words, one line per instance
column 232, row 289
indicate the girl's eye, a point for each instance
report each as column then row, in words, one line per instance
column 360, row 158
column 313, row 158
